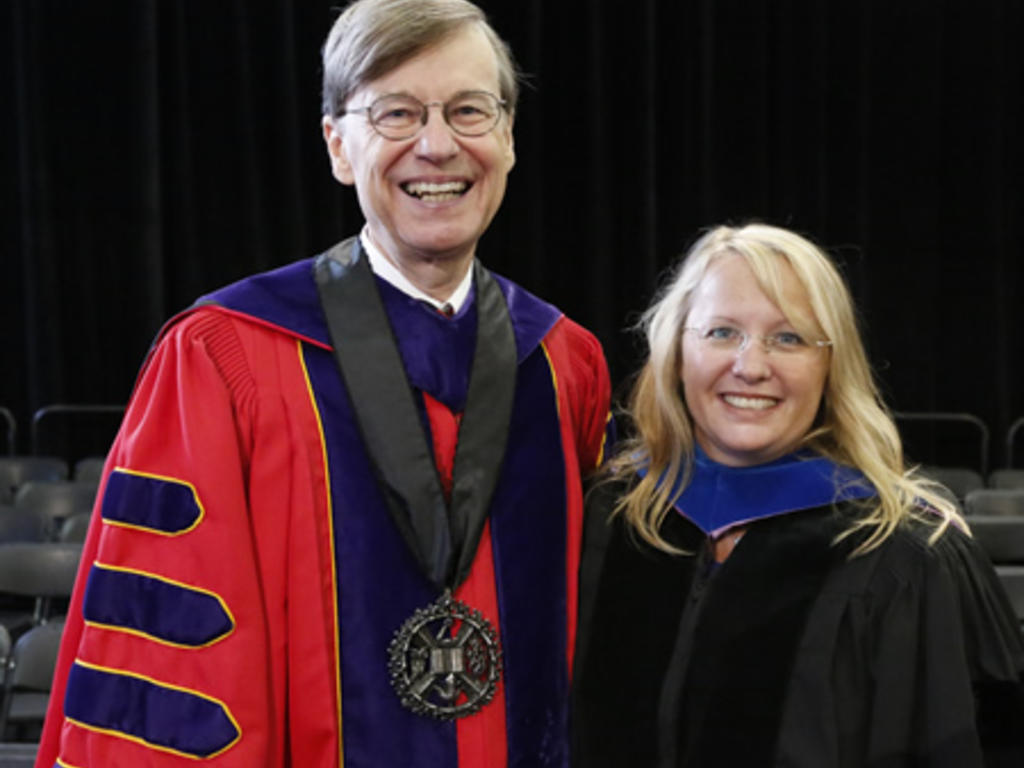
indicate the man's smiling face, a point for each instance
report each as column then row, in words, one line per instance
column 434, row 194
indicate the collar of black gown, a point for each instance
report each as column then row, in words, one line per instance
column 719, row 497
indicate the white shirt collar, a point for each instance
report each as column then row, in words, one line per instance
column 388, row 271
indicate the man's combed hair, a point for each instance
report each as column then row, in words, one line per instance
column 374, row 37
column 853, row 428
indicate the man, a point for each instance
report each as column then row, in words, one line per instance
column 340, row 523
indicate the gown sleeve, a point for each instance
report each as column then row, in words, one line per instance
column 165, row 654
column 992, row 647
column 914, row 657
column 585, row 390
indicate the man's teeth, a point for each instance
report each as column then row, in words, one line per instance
column 755, row 403
column 433, row 193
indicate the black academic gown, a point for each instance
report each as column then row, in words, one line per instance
column 790, row 653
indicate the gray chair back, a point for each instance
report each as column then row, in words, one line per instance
column 15, row 471
column 56, row 502
column 994, row 501
column 29, row 677
column 22, row 525
column 1001, row 536
column 1006, row 478
column 44, row 571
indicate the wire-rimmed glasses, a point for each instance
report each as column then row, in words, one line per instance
column 727, row 338
column 398, row 116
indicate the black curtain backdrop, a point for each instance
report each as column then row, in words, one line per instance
column 156, row 149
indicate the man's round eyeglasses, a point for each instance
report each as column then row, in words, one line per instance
column 401, row 116
column 735, row 340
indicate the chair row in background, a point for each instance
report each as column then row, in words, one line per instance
column 17, row 470
column 1002, row 492
column 36, row 581
column 29, row 665
column 42, row 499
column 949, row 439
column 46, row 502
column 45, row 507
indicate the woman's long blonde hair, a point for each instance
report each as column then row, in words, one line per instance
column 853, row 427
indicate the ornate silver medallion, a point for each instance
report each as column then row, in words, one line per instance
column 445, row 660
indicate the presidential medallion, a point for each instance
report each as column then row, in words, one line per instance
column 445, row 660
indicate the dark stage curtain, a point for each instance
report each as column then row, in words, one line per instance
column 160, row 148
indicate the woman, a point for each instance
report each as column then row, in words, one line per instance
column 764, row 584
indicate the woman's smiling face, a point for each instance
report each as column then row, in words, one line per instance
column 749, row 405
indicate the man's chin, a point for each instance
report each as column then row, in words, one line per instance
column 441, row 245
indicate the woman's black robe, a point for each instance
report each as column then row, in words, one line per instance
column 792, row 654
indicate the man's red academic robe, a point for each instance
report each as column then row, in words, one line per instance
column 242, row 578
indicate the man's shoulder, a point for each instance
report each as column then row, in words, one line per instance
column 538, row 321
column 532, row 317
column 284, row 298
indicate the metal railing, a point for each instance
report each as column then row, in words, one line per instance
column 12, row 429
column 1011, row 435
column 50, row 411
column 958, row 418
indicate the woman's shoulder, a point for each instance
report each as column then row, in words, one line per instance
column 925, row 541
column 927, row 563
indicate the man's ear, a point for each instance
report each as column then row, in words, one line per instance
column 336, row 150
column 510, row 143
